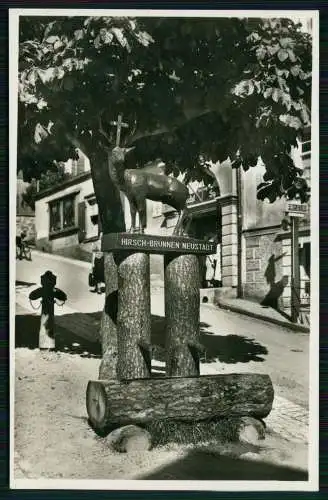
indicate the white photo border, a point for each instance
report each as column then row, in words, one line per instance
column 54, row 484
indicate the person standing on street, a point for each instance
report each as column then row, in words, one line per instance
column 20, row 243
column 217, row 278
column 97, row 264
column 210, row 267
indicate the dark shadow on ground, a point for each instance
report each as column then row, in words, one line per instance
column 24, row 283
column 283, row 313
column 27, row 335
column 224, row 348
column 210, row 466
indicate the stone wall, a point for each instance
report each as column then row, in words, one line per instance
column 229, row 242
column 263, row 263
column 68, row 247
column 26, row 223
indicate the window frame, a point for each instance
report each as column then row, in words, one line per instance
column 61, row 201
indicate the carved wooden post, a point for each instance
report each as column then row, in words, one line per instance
column 108, row 328
column 133, row 316
column 48, row 293
column 182, row 305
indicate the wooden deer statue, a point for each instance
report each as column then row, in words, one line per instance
column 150, row 182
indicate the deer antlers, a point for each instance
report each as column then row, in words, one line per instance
column 131, row 133
column 109, row 137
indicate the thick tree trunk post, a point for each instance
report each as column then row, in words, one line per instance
column 46, row 333
column 111, row 214
column 133, row 316
column 182, row 305
column 113, row 403
column 108, row 329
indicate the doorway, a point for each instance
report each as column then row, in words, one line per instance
column 204, row 227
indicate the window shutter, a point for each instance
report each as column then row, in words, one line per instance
column 81, row 221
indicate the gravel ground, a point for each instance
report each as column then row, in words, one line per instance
column 53, row 438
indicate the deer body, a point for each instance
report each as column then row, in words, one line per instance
column 150, row 182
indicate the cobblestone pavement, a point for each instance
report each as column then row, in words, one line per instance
column 289, row 420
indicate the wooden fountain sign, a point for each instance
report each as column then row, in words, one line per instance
column 156, row 244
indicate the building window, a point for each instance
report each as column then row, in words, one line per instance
column 55, row 224
column 69, row 212
column 306, row 145
column 62, row 214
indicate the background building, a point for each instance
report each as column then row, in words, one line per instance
column 25, row 216
column 255, row 257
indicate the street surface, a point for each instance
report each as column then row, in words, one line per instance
column 233, row 342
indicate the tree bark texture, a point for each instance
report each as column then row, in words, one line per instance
column 108, row 328
column 133, row 316
column 112, row 220
column 107, row 194
column 112, row 403
column 182, row 305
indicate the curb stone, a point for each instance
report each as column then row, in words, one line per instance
column 263, row 317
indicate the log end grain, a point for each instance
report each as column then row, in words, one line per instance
column 97, row 407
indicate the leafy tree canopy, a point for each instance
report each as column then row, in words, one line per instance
column 224, row 87
column 49, row 178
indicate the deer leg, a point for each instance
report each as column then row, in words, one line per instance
column 178, row 230
column 133, row 212
column 142, row 210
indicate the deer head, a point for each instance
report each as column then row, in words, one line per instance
column 119, row 153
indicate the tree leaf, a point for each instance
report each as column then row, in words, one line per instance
column 291, row 121
column 261, row 53
column 58, row 44
column 96, row 42
column 295, row 70
column 273, row 49
column 52, row 39
column 286, row 42
column 291, row 54
column 282, row 55
column 268, row 92
column 276, row 94
column 121, row 38
column 78, row 34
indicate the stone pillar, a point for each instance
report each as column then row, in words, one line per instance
column 287, row 271
column 229, row 241
column 182, row 305
column 133, row 316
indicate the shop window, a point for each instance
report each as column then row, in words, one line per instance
column 62, row 214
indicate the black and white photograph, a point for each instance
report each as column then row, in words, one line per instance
column 164, row 262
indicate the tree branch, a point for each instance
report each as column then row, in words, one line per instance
column 102, row 131
column 188, row 117
column 78, row 143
